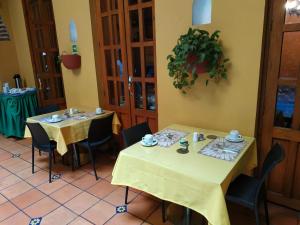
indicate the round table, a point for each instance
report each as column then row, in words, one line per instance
column 14, row 109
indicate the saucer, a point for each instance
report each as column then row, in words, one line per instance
column 227, row 138
column 149, row 145
column 99, row 113
column 51, row 120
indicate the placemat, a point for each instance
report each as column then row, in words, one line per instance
column 227, row 151
column 168, row 137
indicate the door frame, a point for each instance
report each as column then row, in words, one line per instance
column 266, row 71
column 33, row 62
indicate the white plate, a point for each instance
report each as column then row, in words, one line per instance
column 50, row 120
column 99, row 113
column 227, row 138
column 149, row 145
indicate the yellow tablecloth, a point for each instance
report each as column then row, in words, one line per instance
column 71, row 130
column 192, row 180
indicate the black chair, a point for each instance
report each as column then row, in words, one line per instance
column 100, row 132
column 48, row 109
column 41, row 141
column 131, row 136
column 249, row 191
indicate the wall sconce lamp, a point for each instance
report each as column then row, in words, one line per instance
column 201, row 12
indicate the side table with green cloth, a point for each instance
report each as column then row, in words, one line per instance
column 14, row 110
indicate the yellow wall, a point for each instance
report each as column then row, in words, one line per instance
column 81, row 85
column 21, row 40
column 8, row 56
column 229, row 104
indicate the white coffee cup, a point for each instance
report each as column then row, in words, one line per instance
column 72, row 111
column 148, row 139
column 55, row 117
column 98, row 110
column 234, row 135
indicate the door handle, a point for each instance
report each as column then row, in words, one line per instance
column 40, row 84
column 130, row 85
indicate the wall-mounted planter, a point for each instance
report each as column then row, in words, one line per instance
column 71, row 62
column 200, row 67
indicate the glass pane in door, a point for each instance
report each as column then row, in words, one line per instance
column 105, row 27
column 292, row 14
column 113, row 4
column 290, row 55
column 108, row 63
column 55, row 63
column 149, row 61
column 111, row 93
column 132, row 2
column 103, row 5
column 46, row 11
column 138, row 95
column 148, row 24
column 285, row 104
column 121, row 93
column 59, row 87
column 39, row 36
column 136, row 62
column 35, row 16
column 116, row 29
column 134, row 25
column 119, row 63
column 150, row 95
column 43, row 62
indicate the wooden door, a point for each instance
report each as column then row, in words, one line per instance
column 281, row 109
column 42, row 38
column 125, row 35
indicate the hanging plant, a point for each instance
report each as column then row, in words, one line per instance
column 197, row 52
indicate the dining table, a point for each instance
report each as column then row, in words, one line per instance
column 72, row 128
column 14, row 109
column 196, row 177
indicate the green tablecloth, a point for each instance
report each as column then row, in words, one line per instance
column 14, row 109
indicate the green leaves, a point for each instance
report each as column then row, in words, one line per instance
column 204, row 48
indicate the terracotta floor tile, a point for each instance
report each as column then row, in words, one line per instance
column 41, row 208
column 4, row 143
column 9, row 180
column 16, row 148
column 28, row 198
column 142, row 206
column 24, row 174
column 102, row 189
column 4, row 155
column 15, row 164
column 16, row 189
column 17, row 219
column 26, row 142
column 38, row 178
column 81, row 202
column 65, row 194
column 80, row 221
column 124, row 219
column 59, row 216
column 156, row 218
column 71, row 176
column 85, row 182
column 99, row 213
column 49, row 188
column 6, row 210
column 117, row 197
column 2, row 199
column 4, row 173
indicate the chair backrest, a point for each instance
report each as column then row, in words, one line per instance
column 100, row 129
column 48, row 109
column 39, row 135
column 136, row 133
column 274, row 157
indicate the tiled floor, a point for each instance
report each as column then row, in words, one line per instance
column 77, row 198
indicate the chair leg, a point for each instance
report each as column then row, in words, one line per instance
column 126, row 195
column 32, row 159
column 53, row 154
column 256, row 216
column 266, row 211
column 40, row 153
column 163, row 212
column 50, row 166
column 93, row 162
